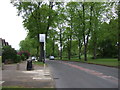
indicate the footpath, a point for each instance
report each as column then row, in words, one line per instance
column 18, row 77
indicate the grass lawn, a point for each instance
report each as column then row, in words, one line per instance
column 108, row 62
column 103, row 61
column 22, row 88
column 12, row 87
column 38, row 63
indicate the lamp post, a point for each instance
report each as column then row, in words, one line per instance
column 42, row 47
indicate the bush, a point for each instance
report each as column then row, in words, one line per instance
column 107, row 49
column 9, row 54
column 24, row 54
column 18, row 59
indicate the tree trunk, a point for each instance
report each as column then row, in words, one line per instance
column 85, row 46
column 90, row 29
column 79, row 45
column 41, row 52
column 60, row 44
column 70, row 38
column 94, row 53
column 88, row 33
column 49, row 19
column 68, row 49
column 119, row 31
column 94, row 44
column 53, row 46
column 37, row 54
column 38, row 48
column 85, row 52
column 95, row 35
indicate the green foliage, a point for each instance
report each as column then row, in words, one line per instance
column 49, row 48
column 74, row 48
column 38, row 63
column 24, row 54
column 18, row 59
column 106, row 49
column 9, row 54
column 23, row 57
column 30, row 45
column 108, row 62
column 70, row 27
column 106, row 40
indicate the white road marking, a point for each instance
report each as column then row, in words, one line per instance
column 2, row 82
column 40, row 78
column 39, row 74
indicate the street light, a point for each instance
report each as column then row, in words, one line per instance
column 42, row 47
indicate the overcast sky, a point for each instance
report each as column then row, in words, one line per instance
column 11, row 28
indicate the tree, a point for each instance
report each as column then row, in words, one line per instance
column 70, row 12
column 24, row 54
column 86, row 31
column 98, row 11
column 96, row 16
column 9, row 54
column 119, row 30
column 69, row 25
column 107, row 49
column 36, row 20
column 78, row 30
column 106, row 40
column 52, row 35
column 96, row 22
column 30, row 44
column 60, row 20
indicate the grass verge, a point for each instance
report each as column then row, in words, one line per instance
column 38, row 63
column 12, row 87
column 102, row 61
column 107, row 62
column 19, row 88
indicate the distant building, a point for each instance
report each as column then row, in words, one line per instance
column 2, row 43
column 0, row 46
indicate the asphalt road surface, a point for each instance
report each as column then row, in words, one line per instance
column 80, row 75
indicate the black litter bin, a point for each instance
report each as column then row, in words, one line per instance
column 29, row 64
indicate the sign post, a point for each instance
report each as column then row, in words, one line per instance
column 42, row 47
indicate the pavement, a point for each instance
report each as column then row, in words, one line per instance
column 15, row 75
column 82, row 75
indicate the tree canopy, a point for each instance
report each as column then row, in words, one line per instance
column 72, row 28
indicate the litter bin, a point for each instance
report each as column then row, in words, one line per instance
column 29, row 64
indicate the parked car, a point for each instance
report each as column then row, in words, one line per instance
column 51, row 57
column 34, row 58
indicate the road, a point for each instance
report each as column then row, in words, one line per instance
column 80, row 75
